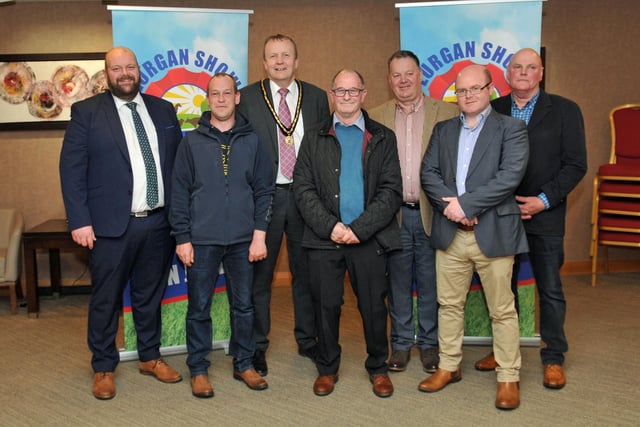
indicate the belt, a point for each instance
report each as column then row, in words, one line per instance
column 287, row 187
column 465, row 227
column 411, row 205
column 145, row 214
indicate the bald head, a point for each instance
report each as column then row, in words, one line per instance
column 524, row 73
column 526, row 52
column 474, row 69
column 118, row 51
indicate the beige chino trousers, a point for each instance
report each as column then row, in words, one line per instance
column 454, row 268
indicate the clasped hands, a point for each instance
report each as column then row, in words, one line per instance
column 529, row 206
column 343, row 235
column 454, row 212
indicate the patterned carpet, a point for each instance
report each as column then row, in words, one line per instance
column 46, row 376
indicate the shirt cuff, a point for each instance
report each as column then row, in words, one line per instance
column 545, row 200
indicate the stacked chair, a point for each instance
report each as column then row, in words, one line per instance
column 615, row 214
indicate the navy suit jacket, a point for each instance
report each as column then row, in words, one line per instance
column 315, row 109
column 557, row 158
column 95, row 169
column 497, row 165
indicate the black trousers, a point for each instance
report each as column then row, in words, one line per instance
column 369, row 281
column 142, row 255
column 285, row 219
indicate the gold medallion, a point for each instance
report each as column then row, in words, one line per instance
column 289, row 139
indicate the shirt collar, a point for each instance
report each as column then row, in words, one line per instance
column 414, row 107
column 481, row 117
column 530, row 103
column 120, row 102
column 293, row 88
column 359, row 123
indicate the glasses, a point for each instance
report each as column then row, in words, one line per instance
column 471, row 91
column 353, row 91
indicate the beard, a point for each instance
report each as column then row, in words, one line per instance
column 126, row 94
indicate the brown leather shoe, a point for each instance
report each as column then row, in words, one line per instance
column 508, row 395
column 554, row 377
column 439, row 380
column 382, row 386
column 201, row 387
column 103, row 386
column 487, row 363
column 398, row 360
column 161, row 370
column 324, row 384
column 252, row 379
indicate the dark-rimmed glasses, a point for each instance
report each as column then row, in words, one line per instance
column 353, row 91
column 471, row 91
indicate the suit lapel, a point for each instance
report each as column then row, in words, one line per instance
column 487, row 135
column 431, row 112
column 542, row 108
column 268, row 116
column 117, row 132
column 389, row 115
column 452, row 142
column 502, row 105
column 154, row 113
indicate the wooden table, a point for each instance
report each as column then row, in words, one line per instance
column 52, row 235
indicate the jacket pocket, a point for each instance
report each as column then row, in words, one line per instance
column 508, row 208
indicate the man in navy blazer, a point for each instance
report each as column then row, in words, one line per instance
column 472, row 167
column 308, row 105
column 557, row 163
column 104, row 186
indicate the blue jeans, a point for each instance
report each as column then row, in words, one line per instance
column 416, row 262
column 201, row 279
column 546, row 254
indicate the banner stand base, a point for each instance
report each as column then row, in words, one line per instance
column 126, row 356
column 524, row 341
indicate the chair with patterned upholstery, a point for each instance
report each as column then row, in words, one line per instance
column 615, row 214
column 11, row 226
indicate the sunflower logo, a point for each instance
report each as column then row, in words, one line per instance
column 187, row 91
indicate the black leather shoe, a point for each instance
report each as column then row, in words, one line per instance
column 260, row 363
column 310, row 352
column 430, row 359
column 398, row 360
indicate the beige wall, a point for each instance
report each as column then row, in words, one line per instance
column 591, row 58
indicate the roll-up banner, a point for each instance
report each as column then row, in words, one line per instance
column 178, row 50
column 447, row 36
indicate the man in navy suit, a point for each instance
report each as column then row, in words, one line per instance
column 557, row 163
column 472, row 168
column 260, row 103
column 104, row 186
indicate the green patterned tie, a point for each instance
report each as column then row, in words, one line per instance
column 147, row 155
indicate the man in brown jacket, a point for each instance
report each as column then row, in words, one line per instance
column 412, row 116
